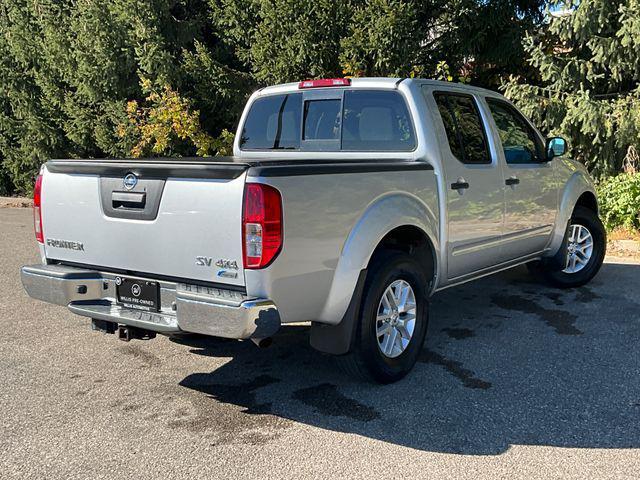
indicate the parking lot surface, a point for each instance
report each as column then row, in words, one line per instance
column 516, row 380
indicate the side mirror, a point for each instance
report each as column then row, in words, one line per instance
column 556, row 147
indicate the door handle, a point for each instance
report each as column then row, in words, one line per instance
column 512, row 181
column 460, row 185
column 128, row 199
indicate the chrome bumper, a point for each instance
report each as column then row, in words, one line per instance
column 184, row 307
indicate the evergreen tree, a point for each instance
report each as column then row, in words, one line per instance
column 588, row 61
column 483, row 39
column 69, row 68
column 384, row 39
column 284, row 40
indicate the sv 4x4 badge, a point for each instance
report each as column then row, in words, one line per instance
column 221, row 263
column 228, row 268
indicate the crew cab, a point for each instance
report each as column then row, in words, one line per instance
column 347, row 204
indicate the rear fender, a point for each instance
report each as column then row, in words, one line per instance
column 382, row 216
column 334, row 331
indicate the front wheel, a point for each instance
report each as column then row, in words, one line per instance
column 393, row 319
column 585, row 249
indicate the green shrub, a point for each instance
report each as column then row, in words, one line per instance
column 619, row 199
column 5, row 181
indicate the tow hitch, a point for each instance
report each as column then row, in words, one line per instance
column 125, row 332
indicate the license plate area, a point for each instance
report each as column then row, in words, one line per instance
column 138, row 294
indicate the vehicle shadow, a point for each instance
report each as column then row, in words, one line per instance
column 507, row 361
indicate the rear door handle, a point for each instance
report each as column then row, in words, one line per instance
column 512, row 181
column 460, row 185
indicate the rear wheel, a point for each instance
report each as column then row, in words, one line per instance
column 584, row 252
column 392, row 320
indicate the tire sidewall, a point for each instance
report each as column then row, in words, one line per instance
column 393, row 267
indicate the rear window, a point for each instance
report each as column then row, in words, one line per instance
column 321, row 120
column 273, row 123
column 364, row 120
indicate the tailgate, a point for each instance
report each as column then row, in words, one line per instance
column 174, row 219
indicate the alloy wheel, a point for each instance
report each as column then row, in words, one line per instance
column 396, row 318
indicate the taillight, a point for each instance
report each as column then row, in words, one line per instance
column 261, row 225
column 37, row 209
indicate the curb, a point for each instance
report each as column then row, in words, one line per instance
column 630, row 247
column 15, row 202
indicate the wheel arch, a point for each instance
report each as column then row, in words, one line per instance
column 397, row 220
column 588, row 200
column 578, row 190
column 414, row 241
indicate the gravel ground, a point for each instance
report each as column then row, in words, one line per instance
column 516, row 381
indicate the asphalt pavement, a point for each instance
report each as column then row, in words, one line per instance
column 516, row 380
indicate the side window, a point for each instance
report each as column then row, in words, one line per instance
column 519, row 141
column 273, row 123
column 376, row 121
column 455, row 142
column 463, row 125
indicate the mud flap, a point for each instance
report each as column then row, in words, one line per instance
column 557, row 262
column 338, row 339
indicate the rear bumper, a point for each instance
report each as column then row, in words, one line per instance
column 184, row 307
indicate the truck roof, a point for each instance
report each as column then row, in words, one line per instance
column 390, row 83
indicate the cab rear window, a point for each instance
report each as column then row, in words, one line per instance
column 362, row 120
column 273, row 123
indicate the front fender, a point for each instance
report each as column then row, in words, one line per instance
column 393, row 210
column 574, row 182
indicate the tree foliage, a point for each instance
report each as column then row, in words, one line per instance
column 168, row 125
column 71, row 71
column 69, row 68
column 284, row 40
column 589, row 65
column 382, row 39
column 481, row 40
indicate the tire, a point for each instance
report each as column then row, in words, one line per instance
column 582, row 218
column 367, row 360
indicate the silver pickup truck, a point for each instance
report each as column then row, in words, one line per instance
column 347, row 204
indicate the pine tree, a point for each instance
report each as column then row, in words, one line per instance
column 588, row 61
column 384, row 39
column 284, row 40
column 68, row 69
column 482, row 39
